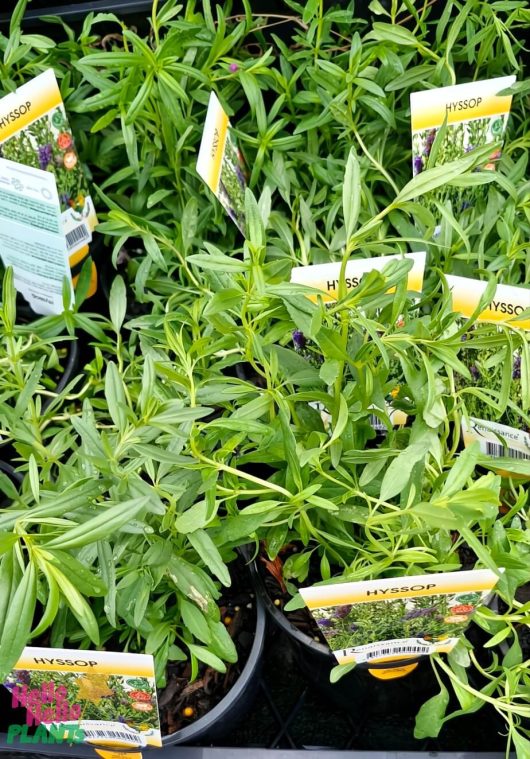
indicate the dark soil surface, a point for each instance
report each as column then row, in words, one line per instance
column 271, row 575
column 182, row 702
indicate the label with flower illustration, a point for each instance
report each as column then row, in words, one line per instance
column 325, row 277
column 475, row 113
column 399, row 618
column 34, row 131
column 107, row 699
column 506, row 306
column 220, row 163
column 31, row 235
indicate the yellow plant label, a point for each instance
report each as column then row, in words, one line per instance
column 34, row 131
column 220, row 163
column 109, row 698
column 399, row 618
column 506, row 306
column 325, row 277
column 460, row 102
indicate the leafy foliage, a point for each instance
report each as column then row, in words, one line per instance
column 196, row 425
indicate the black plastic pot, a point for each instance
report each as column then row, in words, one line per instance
column 359, row 690
column 15, row 477
column 211, row 726
column 76, row 10
column 228, row 712
column 187, row 752
column 70, row 367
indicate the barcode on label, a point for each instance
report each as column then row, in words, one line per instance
column 377, row 424
column 497, row 450
column 391, row 650
column 117, row 734
column 77, row 236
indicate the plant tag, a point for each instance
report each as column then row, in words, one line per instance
column 498, row 441
column 101, row 698
column 220, row 163
column 398, row 418
column 474, row 113
column 395, row 619
column 506, row 306
column 34, row 131
column 31, row 235
column 325, row 277
column 509, row 302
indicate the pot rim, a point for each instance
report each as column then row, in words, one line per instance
column 194, row 731
column 186, row 734
column 306, row 641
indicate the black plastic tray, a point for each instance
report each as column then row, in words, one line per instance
column 191, row 752
column 290, row 718
column 71, row 10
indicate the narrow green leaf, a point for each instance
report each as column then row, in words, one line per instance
column 195, row 621
column 19, row 618
column 108, row 576
column 115, row 396
column 52, row 601
column 7, row 578
column 207, row 657
column 342, row 420
column 107, row 522
column 462, row 470
column 221, row 643
column 85, row 581
column 431, row 179
column 398, row 473
column 117, row 303
column 78, row 605
column 339, row 670
column 430, row 718
column 351, row 193
column 209, row 553
column 34, row 478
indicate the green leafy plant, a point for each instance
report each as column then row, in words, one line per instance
column 199, row 423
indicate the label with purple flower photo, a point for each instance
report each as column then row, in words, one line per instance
column 105, row 698
column 398, row 618
column 34, row 131
column 220, row 163
column 475, row 115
